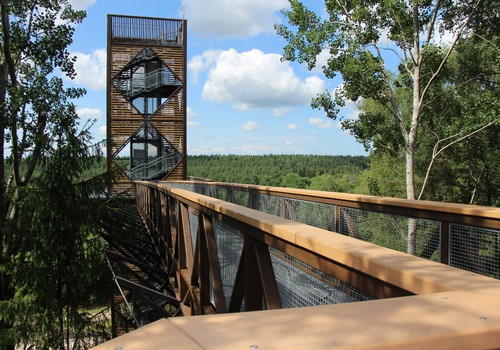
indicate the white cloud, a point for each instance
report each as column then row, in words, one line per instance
column 206, row 150
column 91, row 69
column 102, row 130
column 292, row 126
column 254, row 79
column 256, row 149
column 384, row 40
column 191, row 114
column 320, row 123
column 90, row 113
column 232, row 18
column 200, row 63
column 251, row 126
column 350, row 110
column 81, row 4
column 321, row 61
column 441, row 36
column 278, row 112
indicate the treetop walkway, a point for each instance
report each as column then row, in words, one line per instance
column 248, row 261
column 272, row 268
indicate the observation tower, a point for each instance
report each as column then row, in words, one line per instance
column 146, row 99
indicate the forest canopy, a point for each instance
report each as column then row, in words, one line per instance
column 377, row 174
column 329, row 173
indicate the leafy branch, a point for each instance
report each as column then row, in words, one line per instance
column 438, row 149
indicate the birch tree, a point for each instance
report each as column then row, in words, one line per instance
column 355, row 35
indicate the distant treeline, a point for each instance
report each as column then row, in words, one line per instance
column 329, row 173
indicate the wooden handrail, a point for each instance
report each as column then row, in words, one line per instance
column 459, row 213
column 409, row 273
column 441, row 306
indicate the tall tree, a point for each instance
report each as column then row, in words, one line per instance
column 46, row 210
column 352, row 34
column 456, row 154
column 461, row 141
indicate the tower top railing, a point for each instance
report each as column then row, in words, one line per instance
column 130, row 30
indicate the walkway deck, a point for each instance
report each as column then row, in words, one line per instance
column 417, row 322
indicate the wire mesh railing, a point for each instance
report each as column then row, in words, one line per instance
column 224, row 257
column 240, row 267
column 464, row 236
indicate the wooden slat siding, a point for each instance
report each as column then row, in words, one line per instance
column 125, row 120
column 121, row 55
column 171, row 111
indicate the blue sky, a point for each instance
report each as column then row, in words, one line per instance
column 241, row 98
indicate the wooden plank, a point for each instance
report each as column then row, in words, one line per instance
column 455, row 320
column 213, row 261
column 161, row 334
column 442, row 321
column 270, row 291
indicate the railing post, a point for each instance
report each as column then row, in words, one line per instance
column 253, row 289
column 282, row 207
column 260, row 281
column 337, row 218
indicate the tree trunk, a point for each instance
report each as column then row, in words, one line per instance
column 411, row 138
column 4, row 282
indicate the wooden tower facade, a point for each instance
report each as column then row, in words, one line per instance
column 146, row 99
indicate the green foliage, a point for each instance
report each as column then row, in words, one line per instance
column 56, row 259
column 293, row 180
column 51, row 257
column 298, row 171
column 384, row 178
column 395, row 103
column 461, row 102
column 324, row 182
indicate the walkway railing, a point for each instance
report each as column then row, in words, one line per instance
column 464, row 236
column 224, row 253
column 222, row 257
column 159, row 166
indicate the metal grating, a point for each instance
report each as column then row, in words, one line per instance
column 386, row 230
column 183, row 186
column 229, row 248
column 266, row 203
column 239, row 197
column 219, row 193
column 193, row 226
column 302, row 285
column 310, row 213
column 392, row 231
column 475, row 249
column 146, row 31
